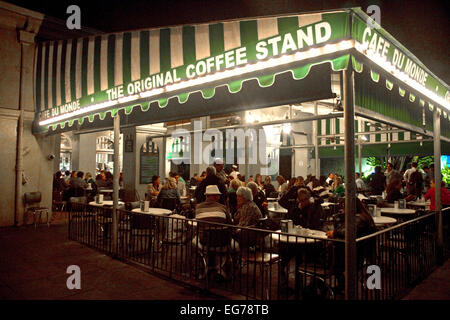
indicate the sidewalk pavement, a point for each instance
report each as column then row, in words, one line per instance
column 33, row 265
column 435, row 287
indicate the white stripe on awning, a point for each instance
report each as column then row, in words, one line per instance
column 232, row 35
column 43, row 106
column 135, row 57
column 67, row 71
column 78, row 68
column 104, row 63
column 267, row 27
column 118, row 71
column 176, row 47
column 50, row 74
column 202, row 49
column 58, row 74
column 154, row 51
column 407, row 135
column 90, row 67
column 304, row 20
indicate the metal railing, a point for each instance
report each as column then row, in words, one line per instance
column 257, row 263
column 392, row 261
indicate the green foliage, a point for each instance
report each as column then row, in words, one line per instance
column 424, row 161
column 446, row 175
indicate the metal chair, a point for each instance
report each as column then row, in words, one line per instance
column 33, row 198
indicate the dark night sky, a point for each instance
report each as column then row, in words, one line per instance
column 421, row 26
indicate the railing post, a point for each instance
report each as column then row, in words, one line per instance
column 437, row 180
column 115, row 182
column 350, row 184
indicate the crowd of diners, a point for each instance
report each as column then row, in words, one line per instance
column 218, row 195
column 79, row 184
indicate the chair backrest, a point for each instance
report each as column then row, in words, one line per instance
column 214, row 236
column 273, row 194
column 32, row 197
column 78, row 200
column 169, row 203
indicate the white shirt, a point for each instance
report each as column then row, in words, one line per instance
column 234, row 174
column 360, row 183
column 408, row 173
column 328, row 180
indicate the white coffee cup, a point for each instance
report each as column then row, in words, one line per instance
column 100, row 198
column 395, row 204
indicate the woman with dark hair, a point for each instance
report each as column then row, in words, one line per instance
column 268, row 187
column 258, row 181
column 323, row 181
column 154, row 188
column 292, row 182
column 169, row 197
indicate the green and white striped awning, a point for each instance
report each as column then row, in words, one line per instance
column 84, row 78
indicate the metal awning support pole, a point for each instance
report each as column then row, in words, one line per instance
column 350, row 184
column 316, row 141
column 359, row 157
column 116, row 180
column 437, row 180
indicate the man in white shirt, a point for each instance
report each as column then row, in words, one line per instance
column 234, row 173
column 408, row 172
column 360, row 185
column 330, row 178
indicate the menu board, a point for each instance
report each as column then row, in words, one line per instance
column 149, row 167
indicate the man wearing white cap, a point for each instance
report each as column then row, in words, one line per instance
column 211, row 209
column 234, row 173
column 220, row 173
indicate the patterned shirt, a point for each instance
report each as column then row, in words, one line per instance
column 248, row 215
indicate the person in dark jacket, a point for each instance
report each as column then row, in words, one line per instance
column 258, row 198
column 268, row 187
column 211, row 179
column 365, row 249
column 169, row 197
column 377, row 181
column 306, row 213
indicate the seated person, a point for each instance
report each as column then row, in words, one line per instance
column 211, row 179
column 258, row 198
column 306, row 213
column 247, row 215
column 268, row 187
column 211, row 209
column 393, row 192
column 208, row 234
column 377, row 181
column 445, row 195
column 154, row 188
column 364, row 226
column 169, row 197
column 337, row 187
column 232, row 199
column 194, row 180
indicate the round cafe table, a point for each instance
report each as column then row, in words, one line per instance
column 398, row 211
column 272, row 199
column 105, row 203
column 382, row 221
column 294, row 238
column 156, row 211
column 276, row 212
column 419, row 204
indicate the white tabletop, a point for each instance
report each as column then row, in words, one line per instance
column 272, row 199
column 419, row 203
column 297, row 239
column 157, row 211
column 104, row 203
column 397, row 211
column 106, row 190
column 379, row 221
column 278, row 210
column 326, row 204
